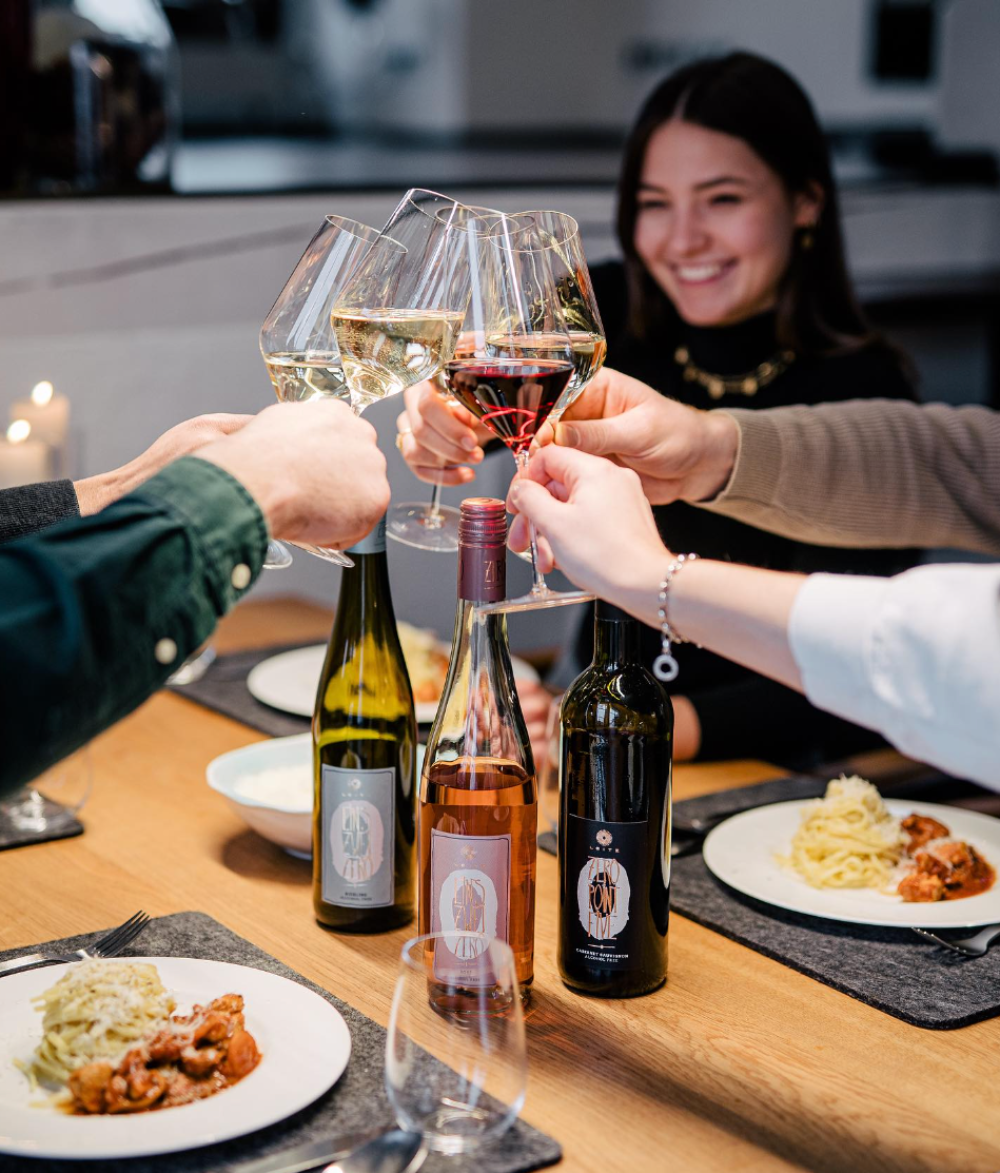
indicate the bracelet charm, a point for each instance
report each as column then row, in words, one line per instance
column 665, row 666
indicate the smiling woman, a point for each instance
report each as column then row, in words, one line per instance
column 734, row 292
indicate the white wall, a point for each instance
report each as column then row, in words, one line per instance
column 584, row 64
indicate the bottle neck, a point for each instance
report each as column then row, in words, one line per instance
column 616, row 642
column 365, row 599
column 482, row 574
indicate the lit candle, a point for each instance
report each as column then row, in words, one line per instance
column 23, row 461
column 47, row 412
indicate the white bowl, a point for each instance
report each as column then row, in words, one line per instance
column 285, row 824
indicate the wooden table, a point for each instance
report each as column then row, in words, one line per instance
column 739, row 1063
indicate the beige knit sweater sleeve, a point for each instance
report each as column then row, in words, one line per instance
column 871, row 472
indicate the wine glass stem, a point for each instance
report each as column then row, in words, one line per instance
column 434, row 509
column 538, row 586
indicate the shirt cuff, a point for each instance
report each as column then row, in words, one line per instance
column 830, row 635
column 224, row 521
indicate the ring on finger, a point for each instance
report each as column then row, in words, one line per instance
column 400, row 435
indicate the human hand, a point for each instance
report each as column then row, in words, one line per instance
column 437, row 437
column 314, row 469
column 94, row 493
column 678, row 452
column 592, row 517
column 535, row 701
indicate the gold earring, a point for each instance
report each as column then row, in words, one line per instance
column 807, row 238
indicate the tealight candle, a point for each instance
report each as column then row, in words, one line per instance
column 46, row 411
column 23, row 460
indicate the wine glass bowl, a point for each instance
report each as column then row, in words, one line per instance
column 512, row 397
column 398, row 318
column 297, row 341
column 456, row 1063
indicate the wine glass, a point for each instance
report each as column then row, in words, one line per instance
column 577, row 315
column 560, row 235
column 398, row 317
column 297, row 341
column 456, row 1066
column 50, row 801
column 431, row 525
column 533, row 361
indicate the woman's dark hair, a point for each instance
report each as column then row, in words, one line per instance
column 754, row 100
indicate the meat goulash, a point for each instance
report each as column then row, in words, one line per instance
column 94, row 1046
column 848, row 839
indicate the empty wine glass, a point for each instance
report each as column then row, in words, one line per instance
column 297, row 340
column 456, row 1065
column 52, row 800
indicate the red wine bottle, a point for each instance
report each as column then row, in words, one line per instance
column 478, row 806
column 614, row 818
column 511, row 396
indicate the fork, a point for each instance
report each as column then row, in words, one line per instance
column 968, row 946
column 110, row 945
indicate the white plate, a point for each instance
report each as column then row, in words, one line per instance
column 304, row 1044
column 741, row 852
column 289, row 682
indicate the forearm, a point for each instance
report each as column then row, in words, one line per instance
column 739, row 612
column 97, row 612
column 868, row 473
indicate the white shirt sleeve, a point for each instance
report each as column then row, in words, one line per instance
column 916, row 657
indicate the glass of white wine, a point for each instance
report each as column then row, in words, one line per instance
column 297, row 341
column 398, row 317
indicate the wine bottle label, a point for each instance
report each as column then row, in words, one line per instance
column 603, row 861
column 470, row 897
column 374, row 543
column 357, row 818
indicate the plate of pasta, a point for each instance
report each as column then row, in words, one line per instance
column 288, row 681
column 129, row 1058
column 854, row 856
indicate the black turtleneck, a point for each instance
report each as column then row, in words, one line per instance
column 743, row 714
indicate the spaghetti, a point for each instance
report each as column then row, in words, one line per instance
column 97, row 1010
column 847, row 839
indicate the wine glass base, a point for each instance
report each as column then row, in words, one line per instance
column 337, row 557
column 415, row 525
column 278, row 556
column 535, row 601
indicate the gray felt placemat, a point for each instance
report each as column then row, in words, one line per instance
column 357, row 1102
column 891, row 969
column 223, row 688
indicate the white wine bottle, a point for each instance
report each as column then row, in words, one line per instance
column 364, row 741
column 478, row 805
column 614, row 818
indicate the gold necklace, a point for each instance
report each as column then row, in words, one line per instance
column 748, row 384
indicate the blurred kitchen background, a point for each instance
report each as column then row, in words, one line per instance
column 163, row 165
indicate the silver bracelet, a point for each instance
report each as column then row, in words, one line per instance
column 665, row 666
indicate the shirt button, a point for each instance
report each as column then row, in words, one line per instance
column 165, row 651
column 241, row 576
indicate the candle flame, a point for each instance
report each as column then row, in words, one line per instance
column 18, row 431
column 42, row 393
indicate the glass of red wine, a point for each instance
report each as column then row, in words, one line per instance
column 529, row 366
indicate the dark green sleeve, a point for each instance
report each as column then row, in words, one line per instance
column 97, row 611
